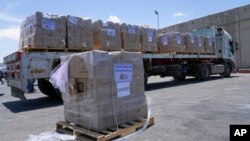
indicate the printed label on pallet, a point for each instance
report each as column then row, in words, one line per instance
column 48, row 24
column 199, row 41
column 111, row 32
column 178, row 39
column 164, row 40
column 191, row 38
column 123, row 89
column 150, row 36
column 123, row 72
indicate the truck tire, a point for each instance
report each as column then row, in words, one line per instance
column 202, row 73
column 228, row 70
column 47, row 88
column 179, row 77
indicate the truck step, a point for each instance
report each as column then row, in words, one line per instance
column 82, row 133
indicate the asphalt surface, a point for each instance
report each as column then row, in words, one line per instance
column 183, row 110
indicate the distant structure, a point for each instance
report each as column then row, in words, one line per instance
column 2, row 65
column 236, row 21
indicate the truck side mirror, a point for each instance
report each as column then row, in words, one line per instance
column 236, row 45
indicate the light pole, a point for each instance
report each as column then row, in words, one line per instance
column 157, row 13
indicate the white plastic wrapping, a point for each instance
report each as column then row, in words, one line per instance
column 51, row 136
column 93, row 96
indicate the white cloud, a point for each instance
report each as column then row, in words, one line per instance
column 10, row 33
column 86, row 18
column 7, row 18
column 114, row 19
column 179, row 14
column 180, row 21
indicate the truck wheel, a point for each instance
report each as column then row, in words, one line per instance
column 47, row 88
column 228, row 70
column 179, row 77
column 203, row 73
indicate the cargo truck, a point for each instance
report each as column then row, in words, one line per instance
column 25, row 66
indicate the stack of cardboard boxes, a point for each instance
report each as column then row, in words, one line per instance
column 79, row 33
column 105, row 89
column 50, row 31
column 190, row 42
column 148, row 39
column 209, row 45
column 130, row 35
column 107, row 36
column 200, row 44
column 170, row 42
column 43, row 31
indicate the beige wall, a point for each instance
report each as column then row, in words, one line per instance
column 236, row 21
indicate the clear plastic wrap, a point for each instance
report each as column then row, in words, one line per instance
column 107, row 36
column 79, row 33
column 190, row 42
column 130, row 35
column 102, row 89
column 51, row 136
column 148, row 39
column 171, row 42
column 43, row 31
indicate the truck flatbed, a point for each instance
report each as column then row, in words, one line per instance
column 177, row 56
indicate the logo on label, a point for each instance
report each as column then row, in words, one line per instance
column 123, row 76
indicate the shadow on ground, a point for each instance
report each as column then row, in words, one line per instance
column 173, row 83
column 32, row 104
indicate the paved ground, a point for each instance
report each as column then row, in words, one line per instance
column 187, row 110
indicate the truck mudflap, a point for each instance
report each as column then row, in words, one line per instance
column 18, row 93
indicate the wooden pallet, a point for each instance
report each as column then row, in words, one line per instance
column 54, row 49
column 109, row 134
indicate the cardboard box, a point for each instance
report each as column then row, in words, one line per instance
column 79, row 33
column 107, row 36
column 43, row 31
column 100, row 94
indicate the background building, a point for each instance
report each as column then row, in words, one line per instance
column 236, row 21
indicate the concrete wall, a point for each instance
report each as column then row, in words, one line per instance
column 236, row 21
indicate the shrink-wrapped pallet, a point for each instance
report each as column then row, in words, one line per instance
column 200, row 44
column 190, row 42
column 79, row 33
column 107, row 36
column 43, row 31
column 102, row 89
column 148, row 39
column 209, row 45
column 130, row 36
column 170, row 42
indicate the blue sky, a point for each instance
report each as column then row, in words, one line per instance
column 141, row 12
